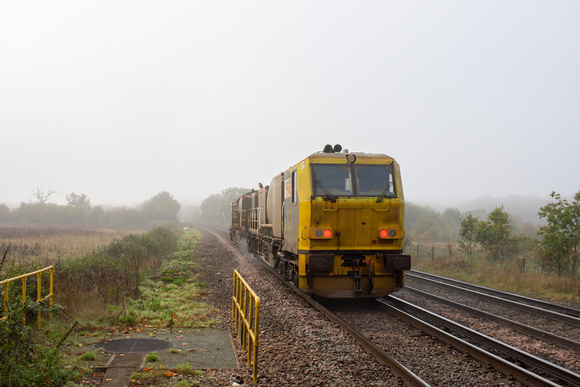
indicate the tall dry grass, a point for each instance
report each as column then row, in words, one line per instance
column 43, row 245
column 29, row 248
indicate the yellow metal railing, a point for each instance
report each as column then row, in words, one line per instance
column 246, row 313
column 23, row 277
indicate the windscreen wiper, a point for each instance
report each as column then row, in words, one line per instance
column 382, row 195
column 326, row 191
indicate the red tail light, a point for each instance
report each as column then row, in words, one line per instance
column 320, row 233
column 385, row 233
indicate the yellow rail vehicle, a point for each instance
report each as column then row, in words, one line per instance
column 333, row 224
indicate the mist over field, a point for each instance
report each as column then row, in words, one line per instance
column 123, row 100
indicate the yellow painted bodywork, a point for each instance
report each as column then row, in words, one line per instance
column 355, row 222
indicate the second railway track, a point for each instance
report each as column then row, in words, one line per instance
column 558, row 310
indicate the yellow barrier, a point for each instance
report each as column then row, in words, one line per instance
column 39, row 297
column 246, row 313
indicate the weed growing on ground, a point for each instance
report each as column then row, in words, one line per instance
column 184, row 368
column 151, row 357
column 88, row 356
column 147, row 375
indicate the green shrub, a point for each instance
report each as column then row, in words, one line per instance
column 114, row 272
column 23, row 360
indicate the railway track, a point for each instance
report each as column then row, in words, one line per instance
column 530, row 331
column 550, row 310
column 401, row 309
column 513, row 361
column 380, row 355
column 488, row 350
column 517, row 365
column 554, row 325
column 551, row 323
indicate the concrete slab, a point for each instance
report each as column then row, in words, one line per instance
column 135, row 345
column 201, row 348
column 120, row 368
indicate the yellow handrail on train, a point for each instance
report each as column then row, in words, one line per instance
column 39, row 297
column 246, row 313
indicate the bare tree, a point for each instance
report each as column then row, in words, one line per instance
column 41, row 196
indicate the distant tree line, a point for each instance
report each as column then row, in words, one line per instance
column 162, row 208
column 215, row 209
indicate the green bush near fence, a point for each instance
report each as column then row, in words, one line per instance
column 25, row 360
column 108, row 275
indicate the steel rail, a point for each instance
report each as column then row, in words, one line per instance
column 381, row 356
column 522, row 328
column 499, row 293
column 523, row 375
column 556, row 316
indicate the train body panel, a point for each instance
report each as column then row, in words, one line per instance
column 333, row 224
column 275, row 205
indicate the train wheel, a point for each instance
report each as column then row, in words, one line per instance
column 294, row 276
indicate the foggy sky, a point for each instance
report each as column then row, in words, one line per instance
column 121, row 100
